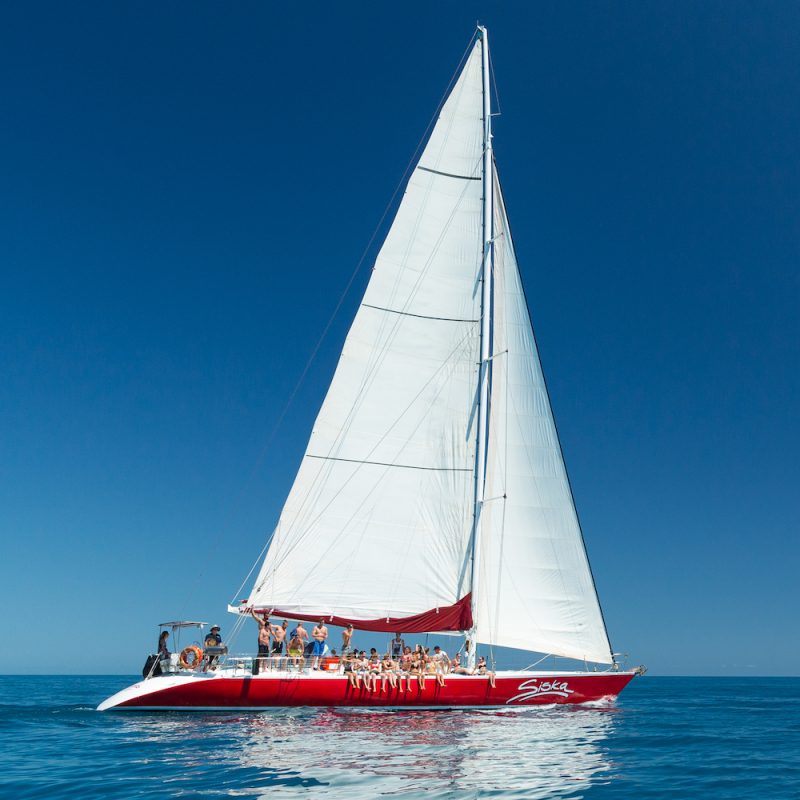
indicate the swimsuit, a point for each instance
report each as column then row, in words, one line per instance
column 319, row 647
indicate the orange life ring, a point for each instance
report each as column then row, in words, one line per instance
column 188, row 651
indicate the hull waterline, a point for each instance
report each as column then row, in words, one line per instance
column 210, row 692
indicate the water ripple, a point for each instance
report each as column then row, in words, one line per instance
column 666, row 738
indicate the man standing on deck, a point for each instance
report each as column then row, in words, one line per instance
column 398, row 645
column 319, row 634
column 264, row 631
column 278, row 637
column 347, row 635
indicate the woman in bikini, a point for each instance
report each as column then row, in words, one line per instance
column 350, row 662
column 387, row 673
column 482, row 669
column 374, row 667
column 418, row 670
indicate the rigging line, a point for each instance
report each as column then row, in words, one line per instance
column 311, row 523
column 312, row 357
column 494, row 83
column 255, row 564
column 387, row 464
column 418, row 316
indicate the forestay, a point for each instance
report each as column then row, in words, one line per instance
column 377, row 523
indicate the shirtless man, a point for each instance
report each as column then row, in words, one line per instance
column 264, row 631
column 319, row 634
column 347, row 635
column 278, row 638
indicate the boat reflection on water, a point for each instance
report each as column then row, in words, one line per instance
column 532, row 753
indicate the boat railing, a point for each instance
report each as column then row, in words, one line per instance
column 245, row 664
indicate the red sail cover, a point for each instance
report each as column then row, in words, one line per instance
column 457, row 617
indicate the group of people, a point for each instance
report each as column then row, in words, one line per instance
column 398, row 666
column 273, row 638
column 405, row 666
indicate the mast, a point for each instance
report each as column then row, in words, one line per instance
column 486, row 339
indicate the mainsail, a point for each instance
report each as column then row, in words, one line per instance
column 378, row 526
column 377, row 523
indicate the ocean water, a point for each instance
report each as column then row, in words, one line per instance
column 709, row 738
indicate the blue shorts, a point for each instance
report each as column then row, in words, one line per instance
column 319, row 648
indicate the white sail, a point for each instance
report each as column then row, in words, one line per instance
column 535, row 588
column 377, row 523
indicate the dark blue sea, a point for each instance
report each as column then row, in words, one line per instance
column 709, row 738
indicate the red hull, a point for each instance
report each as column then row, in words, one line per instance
column 221, row 692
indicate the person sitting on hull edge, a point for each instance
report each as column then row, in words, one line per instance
column 482, row 669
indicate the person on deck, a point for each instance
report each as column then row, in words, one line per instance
column 394, row 665
column 441, row 664
column 398, row 645
column 362, row 666
column 300, row 633
column 347, row 635
column 163, row 650
column 373, row 670
column 388, row 673
column 482, row 669
column 319, row 634
column 350, row 663
column 213, row 639
column 279, row 637
column 455, row 666
column 405, row 666
column 264, row 632
column 417, row 669
column 295, row 650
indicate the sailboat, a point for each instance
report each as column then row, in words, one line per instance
column 432, row 496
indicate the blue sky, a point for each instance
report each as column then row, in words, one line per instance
column 184, row 193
